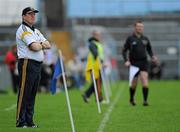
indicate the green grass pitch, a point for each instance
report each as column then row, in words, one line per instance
column 51, row 113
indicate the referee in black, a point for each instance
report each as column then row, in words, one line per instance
column 30, row 46
column 138, row 45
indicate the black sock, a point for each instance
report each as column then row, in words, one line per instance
column 145, row 93
column 132, row 92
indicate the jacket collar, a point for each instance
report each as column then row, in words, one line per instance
column 93, row 39
column 32, row 28
column 135, row 35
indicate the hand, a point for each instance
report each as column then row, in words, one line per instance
column 127, row 63
column 154, row 59
column 42, row 45
column 45, row 45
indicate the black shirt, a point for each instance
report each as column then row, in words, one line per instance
column 137, row 47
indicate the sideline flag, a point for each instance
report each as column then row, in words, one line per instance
column 57, row 73
column 132, row 72
column 59, row 70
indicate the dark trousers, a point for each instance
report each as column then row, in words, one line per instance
column 29, row 77
column 90, row 90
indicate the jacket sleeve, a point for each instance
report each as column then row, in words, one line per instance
column 93, row 49
column 126, row 47
column 149, row 48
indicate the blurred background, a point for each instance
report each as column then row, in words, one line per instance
column 69, row 23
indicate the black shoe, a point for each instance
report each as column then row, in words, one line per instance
column 21, row 126
column 132, row 102
column 100, row 99
column 32, row 125
column 145, row 104
column 85, row 98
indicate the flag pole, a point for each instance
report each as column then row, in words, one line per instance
column 104, row 85
column 95, row 89
column 66, row 92
column 108, row 85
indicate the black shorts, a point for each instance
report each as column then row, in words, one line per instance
column 142, row 65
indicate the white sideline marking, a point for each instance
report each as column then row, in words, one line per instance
column 110, row 109
column 10, row 108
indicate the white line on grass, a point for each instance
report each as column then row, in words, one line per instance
column 10, row 107
column 110, row 109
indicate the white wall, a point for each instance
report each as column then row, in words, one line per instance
column 10, row 10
